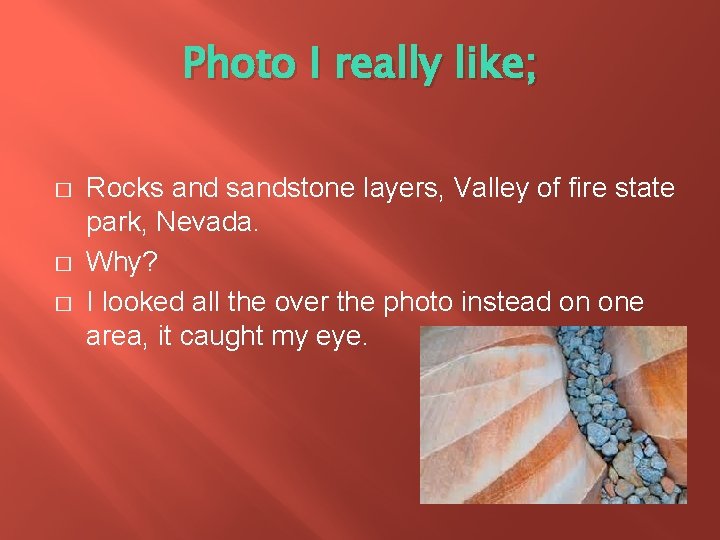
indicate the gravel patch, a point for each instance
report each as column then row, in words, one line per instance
column 638, row 471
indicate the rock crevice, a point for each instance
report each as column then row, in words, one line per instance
column 637, row 472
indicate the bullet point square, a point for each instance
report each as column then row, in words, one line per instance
column 63, row 264
column 63, row 190
column 63, row 303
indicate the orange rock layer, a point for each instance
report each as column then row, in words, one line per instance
column 651, row 363
column 495, row 426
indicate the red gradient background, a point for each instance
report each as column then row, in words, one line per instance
column 188, row 443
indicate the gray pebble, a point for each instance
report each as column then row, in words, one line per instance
column 638, row 436
column 579, row 405
column 634, row 499
column 609, row 395
column 581, row 383
column 609, row 449
column 623, row 463
column 658, row 462
column 584, row 418
column 648, row 474
column 656, row 489
column 597, row 434
column 669, row 499
column 620, row 413
column 618, row 500
column 598, row 386
column 605, row 363
column 596, row 409
column 592, row 368
column 623, row 434
column 624, row 488
column 642, row 491
column 637, row 451
column 594, row 399
column 650, row 450
column 651, row 499
column 586, row 351
column 579, row 372
column 608, row 411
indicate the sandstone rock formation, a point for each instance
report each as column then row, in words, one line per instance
column 651, row 365
column 495, row 426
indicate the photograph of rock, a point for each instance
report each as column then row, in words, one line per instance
column 554, row 415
